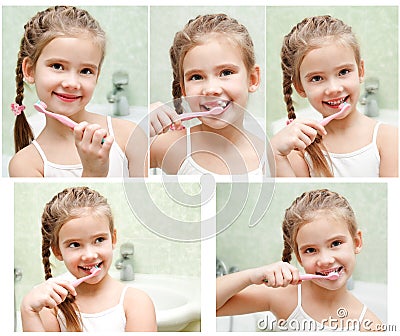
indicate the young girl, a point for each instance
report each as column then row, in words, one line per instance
column 77, row 226
column 321, row 58
column 61, row 52
column 320, row 229
column 213, row 65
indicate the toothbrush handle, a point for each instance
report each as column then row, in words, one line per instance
column 65, row 120
column 309, row 276
column 77, row 282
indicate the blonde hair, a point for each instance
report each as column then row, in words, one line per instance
column 310, row 34
column 69, row 204
column 39, row 31
column 196, row 32
column 309, row 206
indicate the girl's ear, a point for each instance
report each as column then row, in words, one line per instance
column 299, row 89
column 57, row 253
column 114, row 239
column 361, row 71
column 254, row 78
column 28, row 70
column 358, row 242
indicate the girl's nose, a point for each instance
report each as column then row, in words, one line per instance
column 89, row 253
column 211, row 88
column 325, row 259
column 71, row 81
column 334, row 86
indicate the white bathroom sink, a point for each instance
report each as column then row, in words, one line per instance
column 176, row 298
column 137, row 114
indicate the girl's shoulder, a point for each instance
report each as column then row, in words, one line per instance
column 139, row 311
column 26, row 163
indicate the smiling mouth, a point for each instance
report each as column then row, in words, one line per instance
column 88, row 268
column 325, row 273
column 336, row 103
column 220, row 103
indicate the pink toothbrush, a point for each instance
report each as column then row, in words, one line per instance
column 331, row 276
column 214, row 111
column 343, row 109
column 93, row 272
column 41, row 107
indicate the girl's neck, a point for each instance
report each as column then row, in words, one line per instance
column 234, row 133
column 323, row 295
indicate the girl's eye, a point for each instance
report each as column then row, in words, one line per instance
column 226, row 73
column 57, row 66
column 344, row 72
column 73, row 245
column 195, row 77
column 336, row 243
column 100, row 239
column 309, row 250
column 87, row 71
column 316, row 78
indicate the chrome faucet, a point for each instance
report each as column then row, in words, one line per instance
column 125, row 264
column 118, row 95
column 221, row 268
column 369, row 98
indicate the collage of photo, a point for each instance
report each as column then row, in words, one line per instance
column 143, row 143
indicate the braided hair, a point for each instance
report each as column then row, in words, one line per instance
column 311, row 33
column 69, row 204
column 40, row 30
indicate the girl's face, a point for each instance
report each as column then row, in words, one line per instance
column 65, row 74
column 326, row 245
column 86, row 242
column 215, row 73
column 330, row 76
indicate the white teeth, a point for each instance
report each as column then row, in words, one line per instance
column 337, row 102
column 220, row 103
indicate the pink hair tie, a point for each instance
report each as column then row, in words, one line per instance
column 289, row 121
column 17, row 109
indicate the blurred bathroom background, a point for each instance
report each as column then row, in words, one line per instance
column 126, row 30
column 241, row 247
column 165, row 21
column 152, row 254
column 376, row 28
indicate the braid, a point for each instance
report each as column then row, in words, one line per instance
column 307, row 35
column 40, row 30
column 66, row 205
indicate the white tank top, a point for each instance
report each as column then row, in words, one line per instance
column 299, row 320
column 109, row 320
column 191, row 167
column 118, row 166
column 363, row 162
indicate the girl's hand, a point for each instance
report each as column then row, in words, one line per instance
column 48, row 294
column 297, row 135
column 93, row 145
column 279, row 274
column 161, row 118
